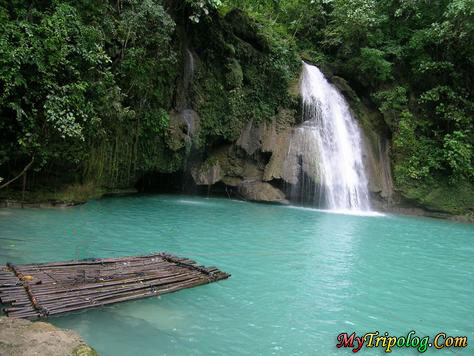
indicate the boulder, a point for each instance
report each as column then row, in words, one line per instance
column 223, row 162
column 262, row 192
column 232, row 181
column 265, row 136
column 23, row 337
column 294, row 152
column 207, row 174
column 283, row 163
column 249, row 139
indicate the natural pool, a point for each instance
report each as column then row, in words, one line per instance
column 299, row 277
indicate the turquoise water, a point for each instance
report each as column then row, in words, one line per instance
column 299, row 277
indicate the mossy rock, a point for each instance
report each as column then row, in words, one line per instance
column 247, row 29
column 455, row 199
column 240, row 78
column 230, row 49
column 63, row 195
column 23, row 337
column 294, row 89
column 84, row 350
column 234, row 76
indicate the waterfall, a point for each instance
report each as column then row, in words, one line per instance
column 334, row 140
column 188, row 69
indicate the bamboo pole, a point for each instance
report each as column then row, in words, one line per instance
column 39, row 290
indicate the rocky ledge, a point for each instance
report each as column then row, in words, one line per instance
column 273, row 162
column 23, row 337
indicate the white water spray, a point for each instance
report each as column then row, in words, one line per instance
column 337, row 139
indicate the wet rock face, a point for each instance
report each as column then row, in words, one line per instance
column 183, row 129
column 377, row 160
column 293, row 155
column 280, row 154
column 208, row 173
column 262, row 191
column 247, row 167
column 293, row 152
column 26, row 338
column 250, row 139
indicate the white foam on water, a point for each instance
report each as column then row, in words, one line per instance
column 336, row 137
column 339, row 211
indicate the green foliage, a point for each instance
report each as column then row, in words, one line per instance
column 132, row 137
column 87, row 87
column 415, row 157
column 142, row 33
column 202, row 8
column 53, row 70
column 458, row 153
column 353, row 22
column 393, row 100
column 248, row 82
column 415, row 60
column 374, row 66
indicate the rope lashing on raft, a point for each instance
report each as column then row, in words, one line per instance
column 170, row 258
column 44, row 289
column 42, row 311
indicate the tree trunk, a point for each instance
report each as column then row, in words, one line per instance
column 18, row 176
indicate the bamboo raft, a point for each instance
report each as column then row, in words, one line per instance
column 39, row 290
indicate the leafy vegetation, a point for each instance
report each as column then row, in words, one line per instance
column 75, row 86
column 414, row 61
column 88, row 89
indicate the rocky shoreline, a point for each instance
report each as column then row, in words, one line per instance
column 26, row 338
column 54, row 203
column 253, row 191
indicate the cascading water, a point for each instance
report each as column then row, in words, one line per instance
column 330, row 132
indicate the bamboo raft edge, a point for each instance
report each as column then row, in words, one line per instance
column 36, row 291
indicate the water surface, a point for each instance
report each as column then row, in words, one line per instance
column 299, row 276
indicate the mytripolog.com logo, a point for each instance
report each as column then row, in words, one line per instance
column 372, row 339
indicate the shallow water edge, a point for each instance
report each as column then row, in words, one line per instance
column 394, row 209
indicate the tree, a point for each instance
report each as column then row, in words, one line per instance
column 55, row 78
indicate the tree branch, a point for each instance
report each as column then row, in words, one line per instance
column 18, row 176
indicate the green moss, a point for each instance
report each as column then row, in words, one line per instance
column 130, row 149
column 69, row 194
column 84, row 350
column 441, row 196
column 248, row 29
column 294, row 89
column 230, row 164
column 234, row 76
column 243, row 74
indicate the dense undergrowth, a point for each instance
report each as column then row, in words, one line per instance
column 412, row 61
column 87, row 88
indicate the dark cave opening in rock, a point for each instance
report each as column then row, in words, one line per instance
column 156, row 182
